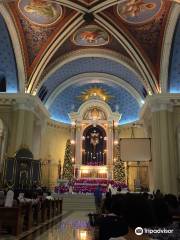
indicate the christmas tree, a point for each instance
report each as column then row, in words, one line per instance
column 68, row 166
column 119, row 168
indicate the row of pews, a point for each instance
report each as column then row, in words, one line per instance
column 25, row 216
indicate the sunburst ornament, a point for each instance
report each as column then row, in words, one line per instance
column 95, row 92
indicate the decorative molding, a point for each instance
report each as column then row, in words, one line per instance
column 25, row 102
column 167, row 43
column 78, row 116
column 58, row 125
column 91, row 52
column 160, row 102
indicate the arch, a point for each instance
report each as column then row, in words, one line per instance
column 167, row 44
column 111, row 116
column 90, row 76
column 16, row 46
column 96, row 53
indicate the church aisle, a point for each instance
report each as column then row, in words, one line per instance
column 73, row 226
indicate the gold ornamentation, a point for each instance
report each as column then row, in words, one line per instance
column 95, row 92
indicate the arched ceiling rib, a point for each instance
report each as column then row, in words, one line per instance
column 174, row 67
column 91, row 65
column 136, row 39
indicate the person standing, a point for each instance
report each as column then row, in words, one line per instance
column 98, row 198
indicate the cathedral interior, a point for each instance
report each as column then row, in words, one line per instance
column 79, row 77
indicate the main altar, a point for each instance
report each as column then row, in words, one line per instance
column 93, row 137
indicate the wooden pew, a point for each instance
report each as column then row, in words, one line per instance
column 11, row 217
column 44, row 211
column 27, row 213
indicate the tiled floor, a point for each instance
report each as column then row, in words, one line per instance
column 73, row 226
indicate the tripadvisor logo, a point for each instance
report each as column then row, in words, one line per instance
column 138, row 231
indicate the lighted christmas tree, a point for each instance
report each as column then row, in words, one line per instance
column 68, row 166
column 119, row 168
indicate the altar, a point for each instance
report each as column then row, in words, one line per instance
column 93, row 138
column 93, row 172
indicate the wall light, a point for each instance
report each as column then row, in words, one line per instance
column 73, row 123
column 83, row 235
column 72, row 142
column 115, row 142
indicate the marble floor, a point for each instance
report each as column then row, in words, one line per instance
column 72, row 226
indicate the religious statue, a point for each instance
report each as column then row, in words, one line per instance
column 41, row 8
column 134, row 8
column 94, row 139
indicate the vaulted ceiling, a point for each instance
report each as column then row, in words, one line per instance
column 63, row 47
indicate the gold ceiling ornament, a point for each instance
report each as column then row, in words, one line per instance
column 95, row 92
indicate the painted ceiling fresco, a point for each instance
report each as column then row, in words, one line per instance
column 90, row 36
column 144, row 25
column 138, row 12
column 38, row 22
column 40, row 12
column 41, row 23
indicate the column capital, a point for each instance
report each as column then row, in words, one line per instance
column 159, row 102
column 161, row 105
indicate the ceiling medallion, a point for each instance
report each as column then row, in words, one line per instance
column 90, row 35
column 40, row 12
column 95, row 92
column 138, row 11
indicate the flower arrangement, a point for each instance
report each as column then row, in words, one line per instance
column 87, row 185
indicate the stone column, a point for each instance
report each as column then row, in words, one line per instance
column 163, row 142
column 28, row 129
column 22, row 128
column 110, row 144
column 16, row 133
